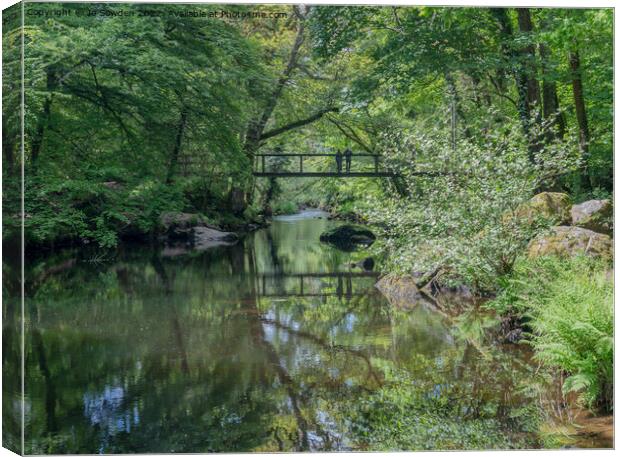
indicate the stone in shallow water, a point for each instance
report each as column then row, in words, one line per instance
column 205, row 237
column 348, row 235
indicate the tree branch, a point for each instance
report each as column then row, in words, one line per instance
column 297, row 124
column 350, row 134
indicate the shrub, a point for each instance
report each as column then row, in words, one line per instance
column 456, row 216
column 285, row 207
column 570, row 306
column 65, row 210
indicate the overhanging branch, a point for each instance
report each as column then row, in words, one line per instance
column 297, row 124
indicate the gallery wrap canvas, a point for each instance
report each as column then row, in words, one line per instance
column 306, row 228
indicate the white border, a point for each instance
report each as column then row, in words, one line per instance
column 483, row 3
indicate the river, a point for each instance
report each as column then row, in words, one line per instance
column 275, row 343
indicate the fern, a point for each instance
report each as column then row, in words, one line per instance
column 569, row 304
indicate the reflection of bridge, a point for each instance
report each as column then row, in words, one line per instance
column 313, row 284
column 261, row 168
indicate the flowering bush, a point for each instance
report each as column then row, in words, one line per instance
column 454, row 205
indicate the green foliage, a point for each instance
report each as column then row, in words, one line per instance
column 570, row 307
column 460, row 217
column 136, row 101
column 62, row 211
column 285, row 207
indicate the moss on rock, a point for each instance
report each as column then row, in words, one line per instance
column 554, row 206
column 570, row 241
column 596, row 215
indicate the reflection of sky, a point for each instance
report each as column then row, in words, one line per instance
column 349, row 322
column 105, row 410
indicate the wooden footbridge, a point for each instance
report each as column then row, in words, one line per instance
column 270, row 165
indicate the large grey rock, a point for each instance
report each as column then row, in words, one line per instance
column 194, row 230
column 570, row 241
column 401, row 291
column 206, row 237
column 596, row 215
column 178, row 224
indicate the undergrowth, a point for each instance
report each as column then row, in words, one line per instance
column 569, row 307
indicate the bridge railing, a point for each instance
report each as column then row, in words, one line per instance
column 262, row 165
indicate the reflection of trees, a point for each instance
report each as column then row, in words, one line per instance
column 293, row 388
column 206, row 362
column 344, row 284
column 372, row 373
column 287, row 381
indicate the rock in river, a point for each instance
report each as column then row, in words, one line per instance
column 368, row 264
column 193, row 231
column 179, row 225
column 205, row 237
column 348, row 235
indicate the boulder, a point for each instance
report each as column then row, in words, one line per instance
column 400, row 291
column 207, row 237
column 554, row 206
column 193, row 229
column 179, row 225
column 596, row 215
column 348, row 235
column 403, row 292
column 570, row 241
column 368, row 264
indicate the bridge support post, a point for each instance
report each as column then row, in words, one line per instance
column 263, row 162
column 376, row 164
column 301, row 164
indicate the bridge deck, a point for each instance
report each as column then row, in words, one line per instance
column 324, row 174
column 262, row 167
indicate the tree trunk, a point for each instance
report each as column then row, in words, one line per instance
column 506, row 34
column 37, row 140
column 529, row 89
column 239, row 198
column 8, row 151
column 176, row 150
column 44, row 119
column 457, row 106
column 551, row 103
column 518, row 71
column 257, row 127
column 529, row 65
column 582, row 118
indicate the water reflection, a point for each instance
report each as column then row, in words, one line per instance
column 335, row 284
column 262, row 346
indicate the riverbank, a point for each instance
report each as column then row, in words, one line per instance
column 557, row 297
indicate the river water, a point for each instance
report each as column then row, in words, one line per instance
column 275, row 343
